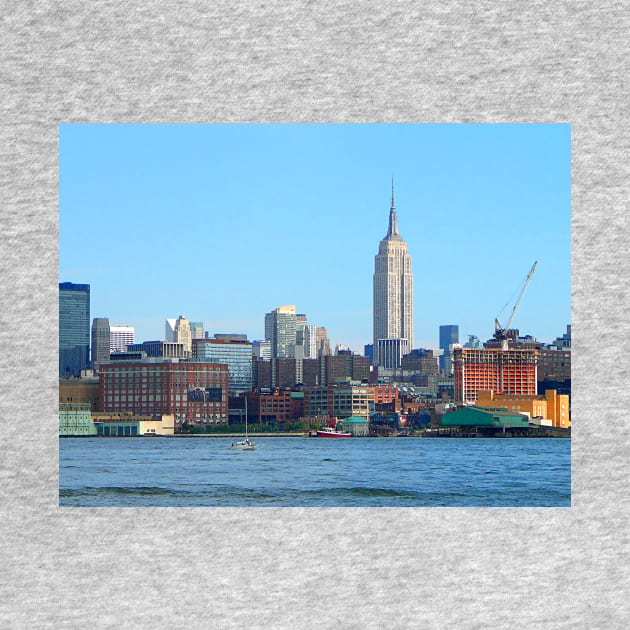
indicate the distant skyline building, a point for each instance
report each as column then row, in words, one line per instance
column 449, row 334
column 280, row 330
column 391, row 352
column 100, row 342
column 183, row 334
column 169, row 329
column 197, row 330
column 393, row 288
column 261, row 348
column 74, row 328
column 120, row 337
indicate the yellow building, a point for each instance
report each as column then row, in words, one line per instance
column 126, row 424
column 552, row 409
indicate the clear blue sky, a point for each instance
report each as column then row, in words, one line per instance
column 224, row 222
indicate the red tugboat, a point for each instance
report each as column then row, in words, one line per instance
column 331, row 432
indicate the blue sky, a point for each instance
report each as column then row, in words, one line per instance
column 224, row 222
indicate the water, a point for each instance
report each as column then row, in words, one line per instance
column 311, row 472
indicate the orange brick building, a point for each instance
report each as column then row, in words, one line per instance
column 510, row 371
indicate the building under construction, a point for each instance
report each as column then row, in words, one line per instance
column 511, row 371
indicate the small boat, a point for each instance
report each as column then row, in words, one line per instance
column 246, row 444
column 331, row 432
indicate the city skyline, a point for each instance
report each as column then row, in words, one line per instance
column 223, row 223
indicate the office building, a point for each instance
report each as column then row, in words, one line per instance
column 197, row 331
column 182, row 333
column 231, row 350
column 164, row 349
column 449, row 334
column 120, row 337
column 169, row 329
column 262, row 349
column 100, row 342
column 280, row 330
column 74, row 328
column 391, row 351
column 393, row 289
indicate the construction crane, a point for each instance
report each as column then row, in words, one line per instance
column 500, row 333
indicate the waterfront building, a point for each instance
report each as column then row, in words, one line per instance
column 82, row 391
column 195, row 392
column 75, row 420
column 449, row 334
column 552, row 409
column 511, row 371
column 280, row 330
column 100, row 342
column 339, row 401
column 130, row 425
column 393, row 291
column 485, row 420
column 279, row 405
column 183, row 334
column 120, row 337
column 236, row 352
column 74, row 328
column 357, row 425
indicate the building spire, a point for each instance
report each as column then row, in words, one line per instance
column 393, row 224
column 393, row 206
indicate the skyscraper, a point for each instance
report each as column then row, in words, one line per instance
column 74, row 328
column 182, row 333
column 393, row 287
column 100, row 341
column 449, row 334
column 280, row 329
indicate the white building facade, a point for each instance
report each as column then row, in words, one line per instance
column 120, row 337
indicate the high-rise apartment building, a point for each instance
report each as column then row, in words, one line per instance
column 120, row 337
column 510, row 371
column 100, row 341
column 449, row 334
column 393, row 288
column 74, row 328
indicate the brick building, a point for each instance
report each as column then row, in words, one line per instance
column 195, row 393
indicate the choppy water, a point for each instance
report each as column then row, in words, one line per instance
column 303, row 472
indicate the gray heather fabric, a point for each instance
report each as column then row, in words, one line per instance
column 303, row 61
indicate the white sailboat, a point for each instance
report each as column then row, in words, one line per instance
column 246, row 444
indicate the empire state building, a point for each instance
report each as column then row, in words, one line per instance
column 393, row 297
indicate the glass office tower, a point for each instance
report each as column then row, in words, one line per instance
column 74, row 328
